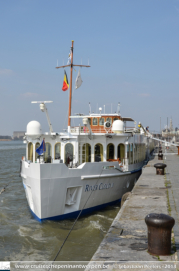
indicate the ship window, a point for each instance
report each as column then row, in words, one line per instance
column 89, row 120
column 110, row 151
column 131, row 154
column 137, row 145
column 128, row 148
column 95, row 121
column 121, row 152
column 98, row 151
column 144, row 152
column 68, row 153
column 140, row 156
column 37, row 145
column 109, row 119
column 57, row 151
column 101, row 121
column 115, row 119
column 86, row 153
column 30, row 151
column 135, row 153
column 48, row 153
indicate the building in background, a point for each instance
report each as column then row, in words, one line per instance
column 171, row 134
column 18, row 135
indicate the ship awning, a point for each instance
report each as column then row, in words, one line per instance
column 127, row 119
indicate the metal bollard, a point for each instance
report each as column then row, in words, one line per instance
column 160, row 168
column 160, row 156
column 159, row 233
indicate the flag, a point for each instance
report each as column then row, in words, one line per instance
column 40, row 150
column 78, row 80
column 69, row 58
column 65, row 82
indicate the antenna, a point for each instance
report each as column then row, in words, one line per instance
column 118, row 108
column 43, row 108
column 89, row 108
column 100, row 109
column 104, row 108
column 41, row 102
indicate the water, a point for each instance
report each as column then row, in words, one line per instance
column 22, row 238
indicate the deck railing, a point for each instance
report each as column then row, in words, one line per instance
column 84, row 129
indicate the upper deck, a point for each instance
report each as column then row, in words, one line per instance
column 96, row 123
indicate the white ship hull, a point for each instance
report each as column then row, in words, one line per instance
column 55, row 191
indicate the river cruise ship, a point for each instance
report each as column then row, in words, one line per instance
column 85, row 168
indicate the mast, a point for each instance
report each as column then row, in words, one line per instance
column 71, row 73
column 70, row 96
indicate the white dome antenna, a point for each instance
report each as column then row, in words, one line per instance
column 33, row 128
column 43, row 108
column 118, row 126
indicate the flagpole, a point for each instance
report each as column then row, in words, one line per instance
column 70, row 96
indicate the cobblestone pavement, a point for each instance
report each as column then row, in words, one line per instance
column 126, row 240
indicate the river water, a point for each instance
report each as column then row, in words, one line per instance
column 22, row 238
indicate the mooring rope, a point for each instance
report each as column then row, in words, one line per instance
column 75, row 222
column 4, row 188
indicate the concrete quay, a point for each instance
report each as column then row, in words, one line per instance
column 125, row 245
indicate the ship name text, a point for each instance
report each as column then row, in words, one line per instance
column 101, row 186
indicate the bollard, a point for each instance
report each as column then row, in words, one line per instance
column 160, row 168
column 159, row 233
column 160, row 156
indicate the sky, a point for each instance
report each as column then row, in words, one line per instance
column 131, row 46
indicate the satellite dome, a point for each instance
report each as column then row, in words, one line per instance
column 118, row 126
column 33, row 128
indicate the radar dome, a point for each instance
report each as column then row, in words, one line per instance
column 118, row 126
column 33, row 128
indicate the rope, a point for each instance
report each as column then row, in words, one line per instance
column 4, row 188
column 72, row 107
column 74, row 223
column 65, row 119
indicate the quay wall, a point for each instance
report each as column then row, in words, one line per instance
column 127, row 238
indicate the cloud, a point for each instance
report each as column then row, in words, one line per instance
column 29, row 95
column 144, row 94
column 6, row 72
